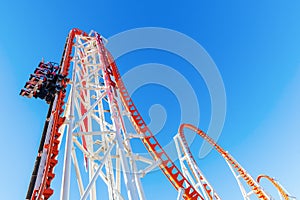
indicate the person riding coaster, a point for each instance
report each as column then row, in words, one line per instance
column 52, row 66
column 45, row 82
column 37, row 77
column 27, row 93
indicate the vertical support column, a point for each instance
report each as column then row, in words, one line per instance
column 131, row 190
column 127, row 171
column 65, row 187
column 134, row 168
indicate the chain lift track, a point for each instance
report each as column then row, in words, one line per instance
column 94, row 121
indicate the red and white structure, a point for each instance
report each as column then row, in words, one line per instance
column 100, row 122
column 283, row 193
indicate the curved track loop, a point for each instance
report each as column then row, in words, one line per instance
column 192, row 162
column 255, row 188
column 275, row 183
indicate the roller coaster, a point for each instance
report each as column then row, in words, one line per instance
column 100, row 121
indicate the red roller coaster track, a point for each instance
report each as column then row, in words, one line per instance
column 49, row 146
column 280, row 189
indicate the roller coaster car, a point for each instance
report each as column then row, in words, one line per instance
column 30, row 86
column 33, row 87
column 55, row 67
column 31, row 82
column 52, row 66
column 41, row 93
column 37, row 77
column 43, row 66
column 26, row 93
column 42, row 71
column 39, row 70
column 45, row 82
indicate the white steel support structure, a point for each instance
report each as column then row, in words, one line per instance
column 191, row 170
column 94, row 122
column 95, row 129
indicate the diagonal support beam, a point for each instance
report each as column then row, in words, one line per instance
column 91, row 183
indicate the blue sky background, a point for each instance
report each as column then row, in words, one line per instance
column 256, row 46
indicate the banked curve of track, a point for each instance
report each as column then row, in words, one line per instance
column 242, row 172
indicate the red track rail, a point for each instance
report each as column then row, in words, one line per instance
column 208, row 190
column 257, row 190
column 277, row 186
column 154, row 148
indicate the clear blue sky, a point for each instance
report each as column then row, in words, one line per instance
column 256, row 46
